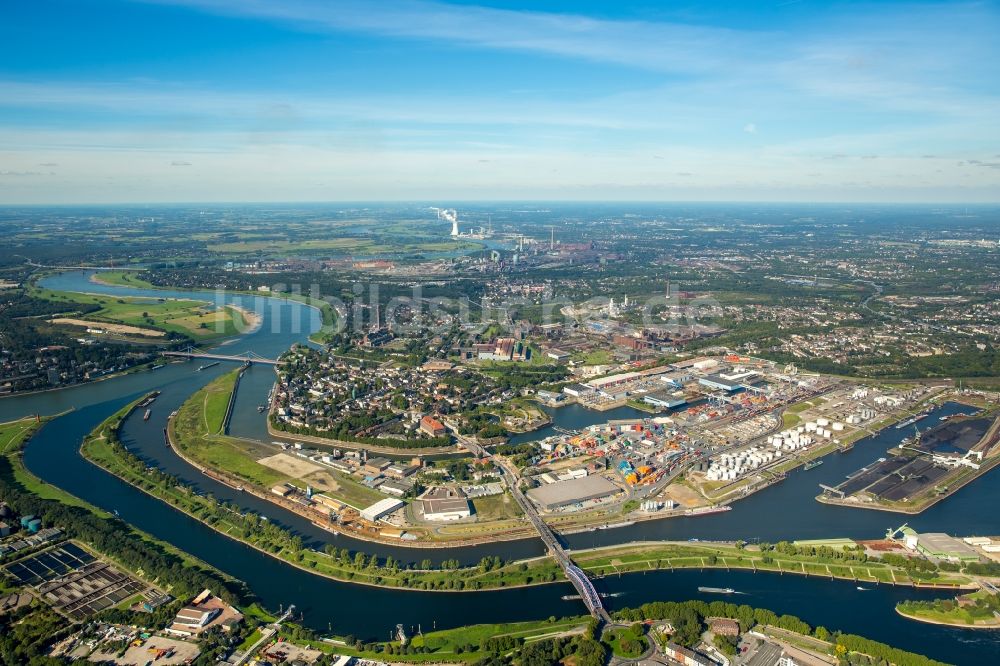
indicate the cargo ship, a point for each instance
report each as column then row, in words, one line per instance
column 603, row 595
column 812, row 464
column 611, row 526
column 145, row 417
column 717, row 590
column 913, row 419
column 208, row 365
column 326, row 527
column 149, row 401
column 703, row 510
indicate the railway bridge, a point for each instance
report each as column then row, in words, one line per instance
column 584, row 586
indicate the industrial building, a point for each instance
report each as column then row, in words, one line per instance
column 572, row 491
column 939, row 546
column 664, row 399
column 720, row 382
column 381, row 509
column 377, row 465
column 576, row 390
column 205, row 611
column 442, row 504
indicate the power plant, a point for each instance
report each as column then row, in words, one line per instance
column 451, row 215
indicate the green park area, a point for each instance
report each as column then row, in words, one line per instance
column 849, row 563
column 627, row 642
column 151, row 318
column 978, row 610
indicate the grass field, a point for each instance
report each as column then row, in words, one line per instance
column 353, row 245
column 196, row 319
column 447, row 641
column 596, row 357
column 197, row 431
column 287, row 247
column 14, row 433
column 790, row 420
column 353, row 493
column 123, row 279
column 624, row 644
column 496, row 507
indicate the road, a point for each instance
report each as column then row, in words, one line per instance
column 266, row 634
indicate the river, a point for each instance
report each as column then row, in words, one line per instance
column 786, row 510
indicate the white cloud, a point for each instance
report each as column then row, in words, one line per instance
column 662, row 46
column 750, row 128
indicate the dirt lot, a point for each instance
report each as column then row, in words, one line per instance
column 123, row 329
column 683, row 495
column 289, row 465
column 292, row 652
column 322, row 480
column 143, row 654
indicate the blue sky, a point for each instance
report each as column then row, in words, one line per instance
column 322, row 100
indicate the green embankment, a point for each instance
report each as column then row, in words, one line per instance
column 103, row 448
column 13, row 435
column 328, row 314
column 196, row 432
column 826, row 562
column 571, row 640
column 131, row 548
column 467, row 644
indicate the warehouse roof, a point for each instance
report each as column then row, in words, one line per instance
column 563, row 493
column 443, row 500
